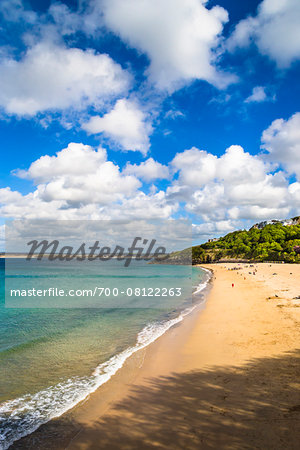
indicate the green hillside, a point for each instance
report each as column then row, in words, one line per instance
column 274, row 242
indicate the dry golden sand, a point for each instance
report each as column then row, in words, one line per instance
column 225, row 378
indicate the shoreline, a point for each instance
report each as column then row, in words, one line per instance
column 146, row 337
column 216, row 344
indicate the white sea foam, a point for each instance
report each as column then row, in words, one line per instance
column 203, row 285
column 25, row 414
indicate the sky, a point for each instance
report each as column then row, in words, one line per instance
column 150, row 109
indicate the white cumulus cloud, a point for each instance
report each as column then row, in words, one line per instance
column 205, row 230
column 229, row 187
column 79, row 174
column 50, row 77
column 196, row 167
column 275, row 30
column 14, row 11
column 180, row 37
column 148, row 170
column 258, row 95
column 282, row 142
column 126, row 124
column 80, row 182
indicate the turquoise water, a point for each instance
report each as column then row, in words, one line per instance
column 52, row 358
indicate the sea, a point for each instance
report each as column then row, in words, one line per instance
column 52, row 358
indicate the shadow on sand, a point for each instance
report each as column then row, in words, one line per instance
column 254, row 406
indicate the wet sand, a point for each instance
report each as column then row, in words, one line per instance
column 227, row 377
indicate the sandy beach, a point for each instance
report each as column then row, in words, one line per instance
column 227, row 377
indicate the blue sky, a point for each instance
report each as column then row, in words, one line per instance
column 150, row 108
